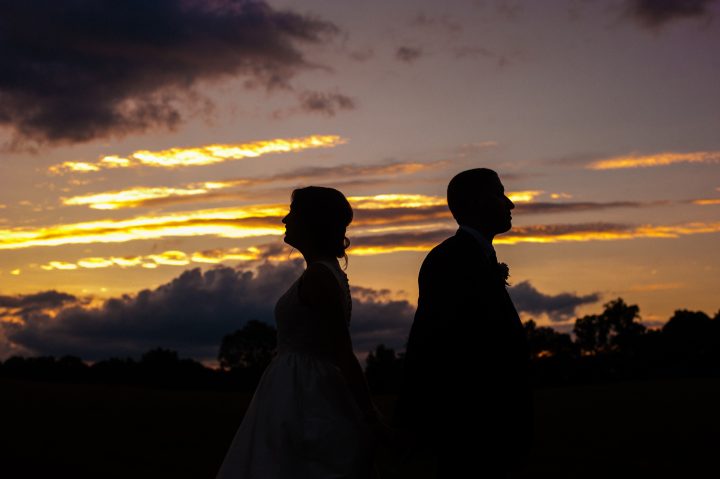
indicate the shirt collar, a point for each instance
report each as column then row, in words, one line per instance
column 486, row 245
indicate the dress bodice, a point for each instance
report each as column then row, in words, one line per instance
column 298, row 327
column 303, row 420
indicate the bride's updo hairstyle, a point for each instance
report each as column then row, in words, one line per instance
column 327, row 214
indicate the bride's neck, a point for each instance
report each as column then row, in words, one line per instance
column 311, row 257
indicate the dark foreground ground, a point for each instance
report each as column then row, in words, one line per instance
column 668, row 428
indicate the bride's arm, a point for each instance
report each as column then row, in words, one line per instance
column 320, row 290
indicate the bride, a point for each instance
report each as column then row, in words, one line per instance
column 312, row 414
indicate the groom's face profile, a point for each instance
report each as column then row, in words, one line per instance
column 477, row 199
column 494, row 208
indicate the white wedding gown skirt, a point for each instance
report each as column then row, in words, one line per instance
column 303, row 421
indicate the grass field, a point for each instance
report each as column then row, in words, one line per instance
column 651, row 429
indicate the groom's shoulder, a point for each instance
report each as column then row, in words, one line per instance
column 450, row 249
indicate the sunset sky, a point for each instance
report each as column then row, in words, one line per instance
column 154, row 146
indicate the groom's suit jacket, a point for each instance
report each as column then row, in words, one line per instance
column 466, row 365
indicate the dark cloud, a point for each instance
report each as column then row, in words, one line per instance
column 45, row 299
column 428, row 239
column 379, row 319
column 325, row 103
column 246, row 188
column 575, row 206
column 362, row 55
column 408, row 54
column 354, row 170
column 440, row 212
column 398, row 216
column 559, row 307
column 82, row 69
column 319, row 103
column 655, row 13
column 189, row 314
column 402, row 239
column 30, row 305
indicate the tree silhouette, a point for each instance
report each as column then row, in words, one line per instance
column 251, row 347
column 159, row 358
column 546, row 342
column 592, row 334
column 626, row 331
column 614, row 345
column 616, row 329
column 691, row 335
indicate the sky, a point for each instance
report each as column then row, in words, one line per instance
column 149, row 150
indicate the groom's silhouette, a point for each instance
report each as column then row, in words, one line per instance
column 465, row 391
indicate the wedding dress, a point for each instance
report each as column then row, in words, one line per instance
column 303, row 421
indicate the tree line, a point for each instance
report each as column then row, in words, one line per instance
column 612, row 345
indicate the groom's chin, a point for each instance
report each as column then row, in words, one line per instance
column 505, row 227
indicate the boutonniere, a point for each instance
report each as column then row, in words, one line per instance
column 503, row 272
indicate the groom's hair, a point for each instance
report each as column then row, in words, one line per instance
column 466, row 187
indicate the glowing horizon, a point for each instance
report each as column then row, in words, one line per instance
column 424, row 240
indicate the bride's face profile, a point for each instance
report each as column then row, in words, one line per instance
column 316, row 222
column 295, row 233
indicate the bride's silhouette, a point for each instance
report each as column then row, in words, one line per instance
column 311, row 412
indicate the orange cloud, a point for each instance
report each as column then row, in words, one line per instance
column 174, row 258
column 658, row 159
column 234, row 222
column 523, row 196
column 199, row 156
column 240, row 222
column 391, row 212
column 270, row 251
column 61, row 265
column 558, row 233
column 706, row 202
column 142, row 195
column 385, row 249
column 600, row 232
column 387, row 201
column 403, row 239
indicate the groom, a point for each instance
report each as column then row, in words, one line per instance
column 465, row 390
